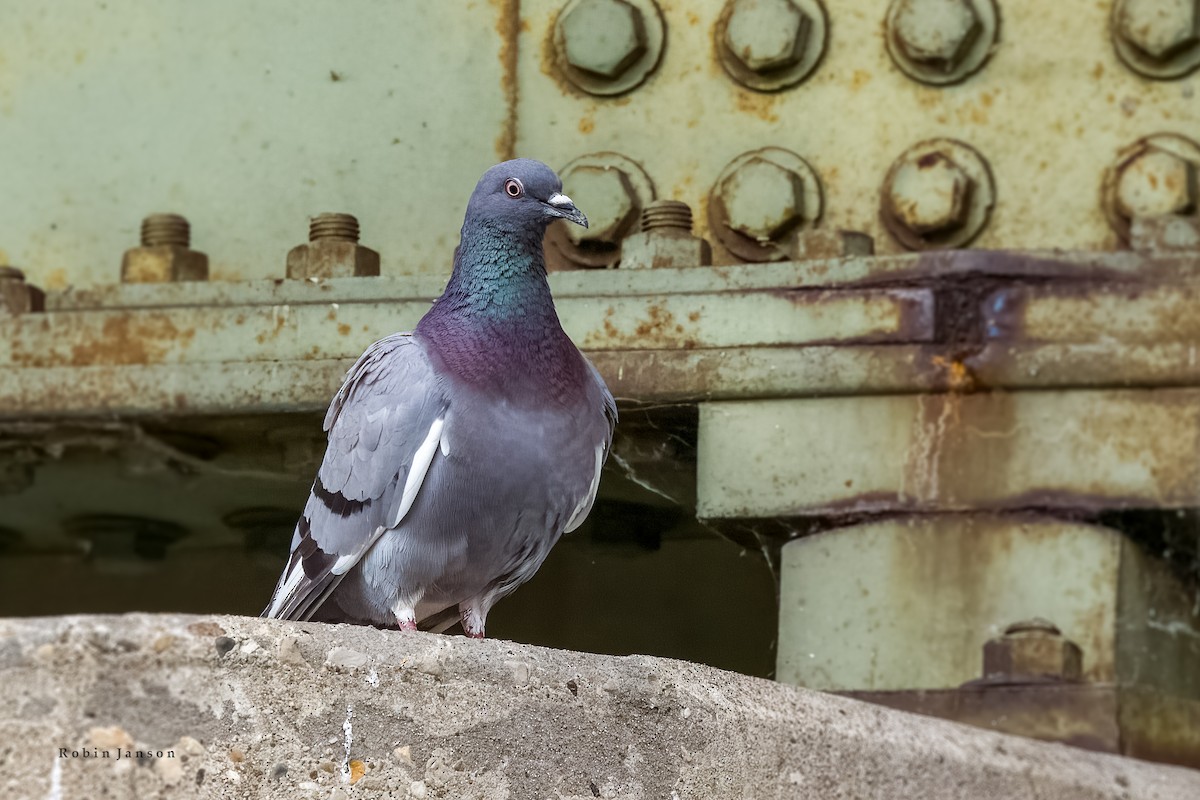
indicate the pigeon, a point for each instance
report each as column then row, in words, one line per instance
column 458, row 453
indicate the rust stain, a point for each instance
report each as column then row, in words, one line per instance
column 281, row 320
column 343, row 329
column 130, row 338
column 587, row 123
column 509, row 26
column 56, row 280
column 859, row 79
column 1098, row 71
column 760, row 105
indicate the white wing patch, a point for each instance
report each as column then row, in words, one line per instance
column 585, row 505
column 285, row 591
column 420, row 465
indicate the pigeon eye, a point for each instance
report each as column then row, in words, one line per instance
column 513, row 188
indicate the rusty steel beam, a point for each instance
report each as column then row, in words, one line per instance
column 1140, row 722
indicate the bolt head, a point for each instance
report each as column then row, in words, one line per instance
column 1032, row 652
column 762, row 199
column 602, row 37
column 931, row 194
column 1162, row 29
column 610, row 200
column 937, row 33
column 1155, row 183
column 767, row 35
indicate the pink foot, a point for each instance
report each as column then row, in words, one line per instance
column 408, row 625
column 472, row 621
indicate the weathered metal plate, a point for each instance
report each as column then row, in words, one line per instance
column 1054, row 64
column 943, row 452
column 909, row 603
column 1137, row 314
column 247, row 119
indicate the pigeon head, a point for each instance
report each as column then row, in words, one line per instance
column 521, row 194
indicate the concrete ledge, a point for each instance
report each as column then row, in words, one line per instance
column 254, row 708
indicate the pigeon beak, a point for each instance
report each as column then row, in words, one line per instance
column 559, row 205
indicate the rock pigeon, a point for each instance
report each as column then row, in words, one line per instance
column 458, row 453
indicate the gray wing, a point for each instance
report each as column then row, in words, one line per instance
column 602, row 447
column 384, row 428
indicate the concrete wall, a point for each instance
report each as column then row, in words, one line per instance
column 251, row 708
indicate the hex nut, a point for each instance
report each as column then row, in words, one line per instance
column 1032, row 651
column 603, row 37
column 608, row 47
column 1157, row 38
column 938, row 194
column 1165, row 233
column 165, row 263
column 767, row 34
column 1155, row 183
column 769, row 45
column 822, row 243
column 18, row 296
column 331, row 259
column 763, row 200
column 941, row 41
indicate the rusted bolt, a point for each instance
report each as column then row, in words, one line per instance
column 668, row 215
column 761, row 200
column 332, row 251
column 1155, row 183
column 1158, row 175
column 665, row 239
column 165, row 255
column 1031, row 651
column 940, row 41
column 1158, row 38
column 937, row 194
column 930, row 195
column 770, row 44
column 608, row 46
column 603, row 37
column 612, row 190
column 767, row 34
column 16, row 295
column 611, row 203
